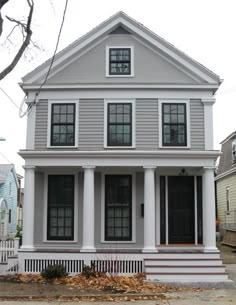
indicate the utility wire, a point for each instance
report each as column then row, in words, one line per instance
column 10, row 99
column 54, row 54
column 49, row 69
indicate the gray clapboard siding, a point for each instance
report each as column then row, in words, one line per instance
column 197, row 125
column 91, row 126
column 146, row 124
column 41, row 124
column 222, row 184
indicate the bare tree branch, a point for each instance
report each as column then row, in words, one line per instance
column 2, row 3
column 26, row 32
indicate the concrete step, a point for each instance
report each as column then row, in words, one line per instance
column 187, row 277
column 184, row 269
column 182, row 262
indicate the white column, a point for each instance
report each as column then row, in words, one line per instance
column 158, row 211
column 208, row 123
column 28, row 210
column 149, row 210
column 88, row 210
column 209, row 214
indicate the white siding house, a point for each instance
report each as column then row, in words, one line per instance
column 119, row 160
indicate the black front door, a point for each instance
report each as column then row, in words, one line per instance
column 181, row 209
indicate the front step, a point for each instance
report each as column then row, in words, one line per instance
column 185, row 267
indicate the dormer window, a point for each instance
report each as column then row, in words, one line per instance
column 234, row 151
column 119, row 62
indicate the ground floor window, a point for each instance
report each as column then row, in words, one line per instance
column 118, row 207
column 60, row 222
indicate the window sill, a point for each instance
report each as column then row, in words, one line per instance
column 175, row 147
column 122, row 76
column 64, row 146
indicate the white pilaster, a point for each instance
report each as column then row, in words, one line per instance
column 149, row 210
column 88, row 210
column 28, row 211
column 208, row 122
column 209, row 229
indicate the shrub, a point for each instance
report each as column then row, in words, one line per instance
column 53, row 272
column 89, row 271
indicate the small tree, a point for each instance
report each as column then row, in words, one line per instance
column 26, row 31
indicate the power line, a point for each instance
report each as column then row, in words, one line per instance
column 5, row 158
column 10, row 99
column 54, row 54
column 49, row 69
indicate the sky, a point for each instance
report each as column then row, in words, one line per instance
column 203, row 29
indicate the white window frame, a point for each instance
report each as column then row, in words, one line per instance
column 122, row 101
column 131, row 60
column 188, row 136
column 133, row 174
column 45, row 206
column 50, row 103
column 234, row 151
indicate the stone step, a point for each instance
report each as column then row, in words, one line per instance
column 188, row 277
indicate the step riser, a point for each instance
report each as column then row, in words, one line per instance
column 184, row 270
column 203, row 256
column 183, row 263
column 186, row 277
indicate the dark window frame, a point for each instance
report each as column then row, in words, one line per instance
column 66, row 207
column 172, row 125
column 116, row 124
column 120, row 61
column 114, row 206
column 62, row 124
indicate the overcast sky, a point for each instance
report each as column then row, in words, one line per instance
column 203, row 29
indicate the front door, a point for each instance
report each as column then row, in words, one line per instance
column 181, row 209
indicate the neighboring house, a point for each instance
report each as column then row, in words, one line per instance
column 8, row 200
column 20, row 204
column 119, row 160
column 226, row 183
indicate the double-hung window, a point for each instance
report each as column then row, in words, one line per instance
column 174, row 124
column 60, row 220
column 119, row 61
column 118, row 207
column 63, row 121
column 234, row 150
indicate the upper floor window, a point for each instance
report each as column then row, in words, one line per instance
column 234, row 151
column 62, row 124
column 119, row 61
column 174, row 124
column 119, row 128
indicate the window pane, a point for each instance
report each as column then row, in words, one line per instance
column 62, row 123
column 60, row 207
column 174, row 124
column 118, row 207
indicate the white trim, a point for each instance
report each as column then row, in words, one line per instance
column 62, row 101
column 156, row 93
column 133, row 174
column 208, row 122
column 176, row 101
column 131, row 60
column 45, row 206
column 158, row 211
column 116, row 101
column 167, row 210
column 138, row 30
column 110, row 85
column 229, row 172
column 195, row 211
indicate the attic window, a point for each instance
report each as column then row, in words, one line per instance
column 119, row 62
column 234, row 151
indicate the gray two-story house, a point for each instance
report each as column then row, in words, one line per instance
column 119, row 159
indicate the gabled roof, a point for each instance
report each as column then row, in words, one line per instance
column 118, row 21
column 232, row 135
column 4, row 172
